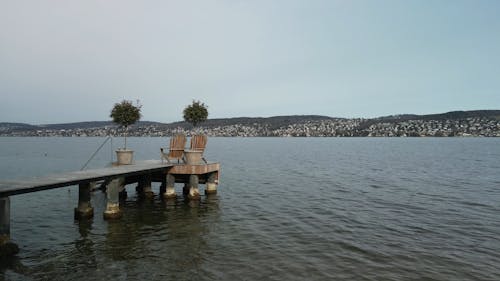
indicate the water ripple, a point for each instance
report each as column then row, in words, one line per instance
column 344, row 209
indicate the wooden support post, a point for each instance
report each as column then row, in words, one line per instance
column 145, row 186
column 113, row 205
column 194, row 193
column 103, row 185
column 139, row 188
column 4, row 220
column 185, row 189
column 170, row 187
column 122, row 192
column 212, row 183
column 84, row 209
column 163, row 185
column 7, row 248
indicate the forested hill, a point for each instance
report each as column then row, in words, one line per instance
column 452, row 115
column 65, row 126
column 477, row 122
column 441, row 116
column 272, row 122
column 276, row 121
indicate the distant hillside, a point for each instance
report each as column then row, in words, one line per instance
column 463, row 114
column 272, row 122
column 9, row 127
column 452, row 115
column 268, row 122
column 16, row 127
column 440, row 116
column 90, row 124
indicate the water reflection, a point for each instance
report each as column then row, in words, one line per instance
column 173, row 232
column 374, row 209
column 85, row 245
column 11, row 264
column 155, row 239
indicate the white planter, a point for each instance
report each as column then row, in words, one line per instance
column 124, row 156
column 193, row 157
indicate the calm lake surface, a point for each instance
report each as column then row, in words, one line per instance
column 287, row 209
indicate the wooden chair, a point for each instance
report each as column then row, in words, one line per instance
column 199, row 142
column 176, row 150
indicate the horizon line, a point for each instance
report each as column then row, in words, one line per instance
column 261, row 117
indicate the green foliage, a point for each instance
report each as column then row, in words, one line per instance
column 126, row 113
column 196, row 113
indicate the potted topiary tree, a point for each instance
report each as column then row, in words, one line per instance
column 195, row 113
column 125, row 114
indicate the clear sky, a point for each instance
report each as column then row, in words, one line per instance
column 68, row 60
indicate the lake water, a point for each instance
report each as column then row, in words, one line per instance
column 286, row 209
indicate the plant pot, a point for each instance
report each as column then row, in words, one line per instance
column 124, row 156
column 193, row 157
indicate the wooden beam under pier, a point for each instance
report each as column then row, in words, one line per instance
column 15, row 187
column 140, row 168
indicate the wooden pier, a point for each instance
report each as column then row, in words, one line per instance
column 113, row 179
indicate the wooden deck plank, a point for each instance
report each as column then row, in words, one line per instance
column 14, row 187
column 186, row 169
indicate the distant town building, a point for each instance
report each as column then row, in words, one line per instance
column 329, row 127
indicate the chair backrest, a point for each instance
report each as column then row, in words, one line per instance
column 198, row 142
column 177, row 144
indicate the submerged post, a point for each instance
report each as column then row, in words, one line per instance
column 163, row 185
column 122, row 192
column 212, row 183
column 7, row 248
column 113, row 205
column 145, row 186
column 194, row 193
column 185, row 189
column 4, row 220
column 170, row 187
column 84, row 209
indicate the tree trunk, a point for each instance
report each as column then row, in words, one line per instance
column 126, row 133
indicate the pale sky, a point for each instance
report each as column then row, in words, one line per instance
column 68, row 60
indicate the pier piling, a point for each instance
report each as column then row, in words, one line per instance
column 145, row 184
column 122, row 192
column 185, row 189
column 212, row 183
column 84, row 209
column 4, row 220
column 7, row 248
column 194, row 193
column 170, row 184
column 112, row 194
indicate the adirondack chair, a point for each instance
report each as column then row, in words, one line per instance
column 198, row 143
column 176, row 150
